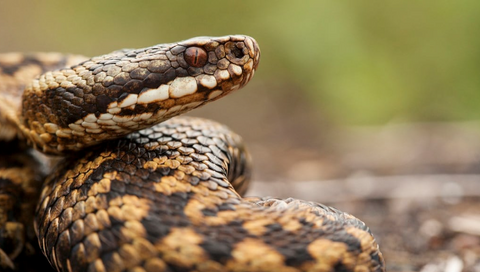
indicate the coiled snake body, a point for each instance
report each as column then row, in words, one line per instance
column 138, row 191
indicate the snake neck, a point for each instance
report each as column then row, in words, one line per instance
column 17, row 70
column 110, row 96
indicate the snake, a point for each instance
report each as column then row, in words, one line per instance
column 134, row 186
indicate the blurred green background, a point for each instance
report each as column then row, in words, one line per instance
column 345, row 89
column 326, row 66
column 353, row 62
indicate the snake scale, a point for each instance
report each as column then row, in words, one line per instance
column 138, row 189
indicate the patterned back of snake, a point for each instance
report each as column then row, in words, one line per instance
column 141, row 190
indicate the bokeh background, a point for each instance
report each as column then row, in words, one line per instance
column 348, row 94
column 368, row 62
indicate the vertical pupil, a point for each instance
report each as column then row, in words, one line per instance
column 196, row 56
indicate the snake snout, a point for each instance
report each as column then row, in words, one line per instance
column 254, row 51
column 244, row 52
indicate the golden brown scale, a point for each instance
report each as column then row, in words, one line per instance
column 21, row 178
column 168, row 197
column 22, row 170
column 165, row 203
column 16, row 72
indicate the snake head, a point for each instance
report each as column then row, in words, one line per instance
column 224, row 64
column 113, row 95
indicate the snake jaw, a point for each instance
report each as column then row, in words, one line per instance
column 113, row 95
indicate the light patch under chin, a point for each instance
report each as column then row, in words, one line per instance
column 235, row 69
column 154, row 95
column 222, row 75
column 177, row 88
column 182, row 86
column 207, row 81
column 131, row 99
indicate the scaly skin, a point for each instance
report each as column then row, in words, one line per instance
column 151, row 194
column 164, row 203
column 22, row 170
column 110, row 96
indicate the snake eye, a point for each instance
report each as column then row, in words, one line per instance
column 195, row 56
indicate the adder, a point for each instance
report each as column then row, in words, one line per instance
column 138, row 189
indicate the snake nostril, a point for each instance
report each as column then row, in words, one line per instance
column 237, row 52
column 195, row 56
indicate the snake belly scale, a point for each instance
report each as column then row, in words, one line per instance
column 142, row 189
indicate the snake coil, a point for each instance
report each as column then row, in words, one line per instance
column 142, row 190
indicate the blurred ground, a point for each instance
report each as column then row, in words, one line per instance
column 369, row 106
column 416, row 186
